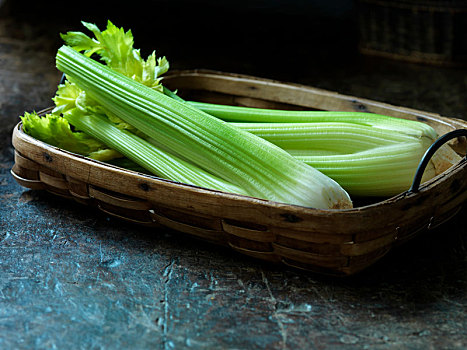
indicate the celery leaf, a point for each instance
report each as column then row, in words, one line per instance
column 56, row 131
column 115, row 47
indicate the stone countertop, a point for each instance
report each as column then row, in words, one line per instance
column 71, row 277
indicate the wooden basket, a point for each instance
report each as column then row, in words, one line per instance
column 340, row 242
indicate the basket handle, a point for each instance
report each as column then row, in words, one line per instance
column 430, row 152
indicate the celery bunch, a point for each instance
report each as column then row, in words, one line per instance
column 255, row 165
column 129, row 114
column 309, row 158
column 366, row 153
column 76, row 112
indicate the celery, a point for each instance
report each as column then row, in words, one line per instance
column 115, row 47
column 339, row 137
column 56, row 131
column 367, row 154
column 364, row 160
column 248, row 114
column 145, row 154
column 318, row 138
column 380, row 171
column 262, row 169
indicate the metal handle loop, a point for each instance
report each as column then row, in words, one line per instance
column 429, row 153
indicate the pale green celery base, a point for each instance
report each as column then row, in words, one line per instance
column 383, row 171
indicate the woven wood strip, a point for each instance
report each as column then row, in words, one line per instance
column 263, row 235
column 57, row 182
column 78, row 189
column 200, row 232
column 119, row 200
column 328, row 261
column 26, row 164
column 26, row 178
column 136, row 216
column 266, row 255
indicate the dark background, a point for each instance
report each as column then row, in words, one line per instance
column 72, row 277
column 314, row 42
column 255, row 36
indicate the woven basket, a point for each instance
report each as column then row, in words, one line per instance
column 422, row 31
column 339, row 242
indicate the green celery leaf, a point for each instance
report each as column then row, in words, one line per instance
column 115, row 47
column 65, row 97
column 56, row 131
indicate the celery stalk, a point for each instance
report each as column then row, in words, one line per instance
column 157, row 161
column 367, row 154
column 340, row 137
column 254, row 164
column 380, row 171
column 248, row 114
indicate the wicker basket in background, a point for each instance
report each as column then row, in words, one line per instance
column 422, row 31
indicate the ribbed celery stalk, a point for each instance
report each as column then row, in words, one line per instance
column 248, row 114
column 249, row 162
column 148, row 156
column 365, row 160
column 367, row 154
column 337, row 137
column 380, row 171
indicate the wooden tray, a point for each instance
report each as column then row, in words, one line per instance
column 340, row 242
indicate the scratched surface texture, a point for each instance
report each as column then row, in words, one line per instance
column 74, row 278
